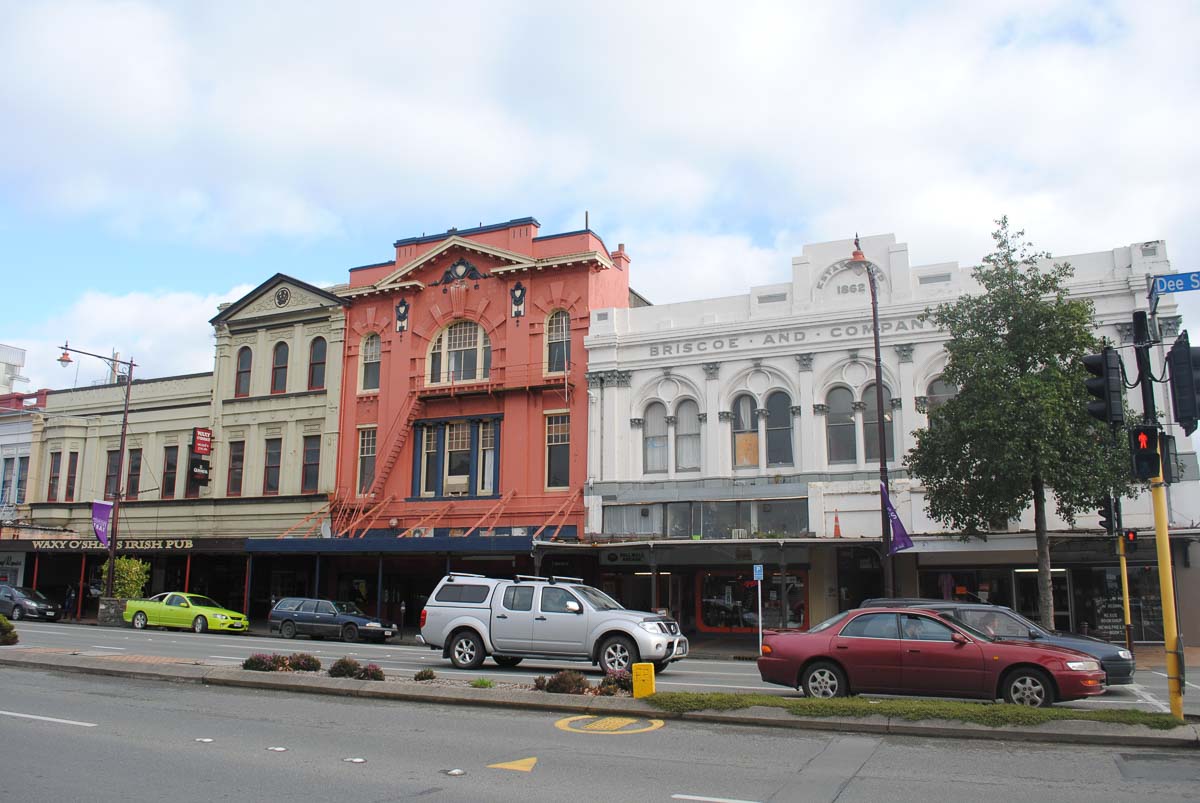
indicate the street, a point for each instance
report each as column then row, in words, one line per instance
column 71, row 737
column 691, row 674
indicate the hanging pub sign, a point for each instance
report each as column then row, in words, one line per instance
column 199, row 468
column 201, row 440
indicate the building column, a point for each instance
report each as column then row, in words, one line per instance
column 711, row 429
column 860, row 434
column 595, row 429
column 903, row 437
column 798, row 440
column 762, row 416
column 811, row 456
column 637, row 447
column 671, row 446
column 615, row 464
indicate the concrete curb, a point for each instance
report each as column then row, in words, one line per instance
column 1066, row 731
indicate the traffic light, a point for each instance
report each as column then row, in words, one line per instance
column 1184, row 362
column 1108, row 519
column 1130, row 539
column 1106, row 385
column 1143, row 445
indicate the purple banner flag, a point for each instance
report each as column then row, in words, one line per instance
column 900, row 539
column 101, row 512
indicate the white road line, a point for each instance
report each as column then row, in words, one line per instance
column 228, row 657
column 1146, row 697
column 102, row 647
column 1165, row 675
column 48, row 719
column 710, row 799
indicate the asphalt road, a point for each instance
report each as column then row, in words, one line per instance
column 69, row 737
column 691, row 674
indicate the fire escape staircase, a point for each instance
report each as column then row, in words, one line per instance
column 393, row 442
column 559, row 515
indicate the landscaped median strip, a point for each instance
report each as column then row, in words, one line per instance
column 856, row 714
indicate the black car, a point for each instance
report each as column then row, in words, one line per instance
column 318, row 618
column 17, row 602
column 1005, row 623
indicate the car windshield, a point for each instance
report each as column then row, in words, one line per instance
column 828, row 623
column 347, row 607
column 1026, row 622
column 202, row 602
column 598, row 599
column 29, row 593
column 964, row 626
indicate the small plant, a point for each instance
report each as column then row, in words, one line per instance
column 132, row 576
column 482, row 683
column 263, row 662
column 567, row 681
column 425, row 674
column 617, row 681
column 8, row 633
column 370, row 672
column 345, row 668
column 303, row 662
column 539, row 683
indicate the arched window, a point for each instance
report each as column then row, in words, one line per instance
column 316, row 364
column 558, row 342
column 939, row 392
column 687, row 436
column 241, row 382
column 839, row 426
column 871, row 424
column 370, row 362
column 654, row 439
column 462, row 352
column 279, row 360
column 779, row 429
column 745, row 432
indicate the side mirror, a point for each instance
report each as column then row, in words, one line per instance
column 958, row 638
column 185, row 604
column 574, row 607
column 1033, row 634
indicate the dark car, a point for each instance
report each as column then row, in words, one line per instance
column 321, row 618
column 18, row 602
column 1005, row 623
column 920, row 652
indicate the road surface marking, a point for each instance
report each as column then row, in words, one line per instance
column 102, row 647
column 580, row 724
column 229, row 657
column 48, row 719
column 1165, row 675
column 520, row 765
column 1146, row 697
column 710, row 799
column 609, row 724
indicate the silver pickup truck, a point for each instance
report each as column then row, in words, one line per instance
column 469, row 617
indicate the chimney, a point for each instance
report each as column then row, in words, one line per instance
column 620, row 258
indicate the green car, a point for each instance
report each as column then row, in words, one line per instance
column 175, row 609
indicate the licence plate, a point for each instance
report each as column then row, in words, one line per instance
column 682, row 648
column 387, row 633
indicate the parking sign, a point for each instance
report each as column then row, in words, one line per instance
column 758, row 572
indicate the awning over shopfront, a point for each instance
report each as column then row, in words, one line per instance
column 507, row 545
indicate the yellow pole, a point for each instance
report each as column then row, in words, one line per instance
column 1125, row 593
column 1166, row 587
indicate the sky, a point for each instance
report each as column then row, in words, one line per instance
column 158, row 159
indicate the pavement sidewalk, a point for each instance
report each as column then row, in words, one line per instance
column 185, row 671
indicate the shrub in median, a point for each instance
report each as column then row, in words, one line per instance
column 425, row 674
column 345, row 668
column 370, row 672
column 262, row 662
column 567, row 681
column 303, row 662
column 8, row 634
column 614, row 682
column 482, row 683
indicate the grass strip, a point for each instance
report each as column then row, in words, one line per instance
column 994, row 715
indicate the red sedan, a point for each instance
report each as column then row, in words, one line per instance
column 907, row 651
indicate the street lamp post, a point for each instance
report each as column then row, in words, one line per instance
column 114, row 522
column 859, row 263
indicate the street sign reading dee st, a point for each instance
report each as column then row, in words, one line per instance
column 1176, row 283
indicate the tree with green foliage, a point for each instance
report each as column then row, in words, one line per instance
column 132, row 576
column 1018, row 426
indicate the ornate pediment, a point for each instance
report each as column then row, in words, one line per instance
column 279, row 295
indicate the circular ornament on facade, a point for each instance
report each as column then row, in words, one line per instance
column 758, row 381
column 282, row 297
column 855, row 373
column 668, row 389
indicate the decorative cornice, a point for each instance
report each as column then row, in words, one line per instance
column 897, row 403
column 763, row 412
column 725, row 415
column 905, row 351
column 712, row 370
column 702, row 417
column 820, row 409
column 921, row 403
column 858, row 406
column 1169, row 326
column 595, row 379
column 1125, row 332
column 617, row 379
column 671, row 420
column 805, row 361
column 796, row 410
column 636, row 422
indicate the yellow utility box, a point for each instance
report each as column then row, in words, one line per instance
column 643, row 680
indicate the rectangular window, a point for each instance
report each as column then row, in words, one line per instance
column 429, row 463
column 237, row 465
column 191, row 485
column 458, row 457
column 366, row 459
column 274, row 455
column 170, row 469
column 133, row 477
column 311, row 469
column 487, row 457
column 112, row 468
column 22, row 478
column 462, row 342
column 55, row 468
column 72, row 469
column 558, row 451
column 7, row 494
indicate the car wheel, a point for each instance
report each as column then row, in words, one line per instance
column 618, row 654
column 350, row 633
column 505, row 661
column 18, row 613
column 288, row 630
column 823, row 680
column 139, row 621
column 199, row 624
column 1029, row 687
column 466, row 650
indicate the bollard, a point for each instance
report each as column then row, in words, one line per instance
column 643, row 679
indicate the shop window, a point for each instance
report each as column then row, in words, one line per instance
column 133, row 477
column 745, row 432
column 558, row 451
column 72, row 471
column 366, row 459
column 170, row 471
column 558, row 342
column 273, row 451
column 371, row 352
column 633, row 520
column 237, row 465
column 316, row 364
column 781, row 518
column 779, row 429
column 654, row 439
column 310, row 470
column 871, row 424
column 839, row 426
column 279, row 366
column 462, row 352
column 55, row 470
column 687, row 436
column 727, row 601
column 241, row 382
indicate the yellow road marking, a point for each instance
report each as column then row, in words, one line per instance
column 607, row 726
column 520, row 765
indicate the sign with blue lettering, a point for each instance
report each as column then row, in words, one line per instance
column 1176, row 283
column 758, row 572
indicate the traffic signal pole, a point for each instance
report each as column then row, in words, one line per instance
column 1124, row 575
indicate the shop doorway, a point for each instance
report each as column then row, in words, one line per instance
column 1026, row 584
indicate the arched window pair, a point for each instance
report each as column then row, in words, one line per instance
column 746, row 414
column 687, row 437
column 279, row 368
column 841, row 428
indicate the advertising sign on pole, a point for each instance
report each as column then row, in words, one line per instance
column 201, row 440
column 758, row 578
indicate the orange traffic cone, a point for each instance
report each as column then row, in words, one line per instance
column 837, row 525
